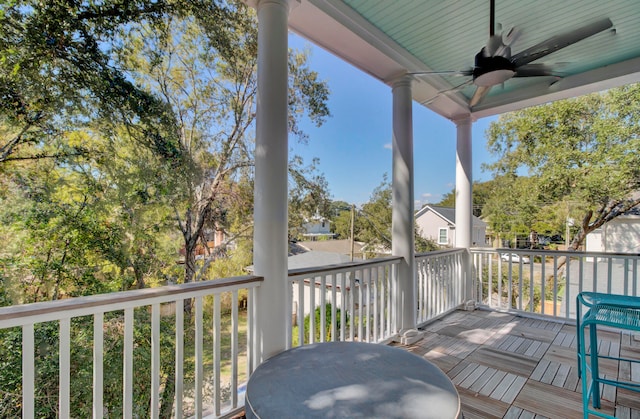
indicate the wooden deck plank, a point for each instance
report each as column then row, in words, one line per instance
column 477, row 406
column 467, row 333
column 514, row 389
column 561, row 375
column 562, row 354
column 483, row 380
column 573, row 383
column 533, row 348
column 505, row 361
column 525, row 368
column 445, row 362
column 473, row 377
column 540, row 369
column 462, row 375
column 534, row 333
column 504, row 385
column 629, row 398
column 552, row 401
column 513, row 413
column 493, row 382
column 541, row 351
column 550, row 373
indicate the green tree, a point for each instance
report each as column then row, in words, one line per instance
column 341, row 219
column 208, row 78
column 512, row 209
column 375, row 218
column 449, row 199
column 91, row 226
column 373, row 222
column 57, row 72
column 116, row 120
column 579, row 153
column 308, row 195
column 480, row 194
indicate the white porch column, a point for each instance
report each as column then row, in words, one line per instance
column 402, row 235
column 270, row 193
column 464, row 179
column 464, row 202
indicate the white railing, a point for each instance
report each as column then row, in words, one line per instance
column 547, row 282
column 190, row 341
column 127, row 338
column 349, row 301
column 440, row 283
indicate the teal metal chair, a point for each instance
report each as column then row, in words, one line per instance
column 599, row 309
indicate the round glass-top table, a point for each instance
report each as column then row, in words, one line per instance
column 350, row 380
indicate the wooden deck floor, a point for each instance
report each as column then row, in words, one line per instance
column 506, row 366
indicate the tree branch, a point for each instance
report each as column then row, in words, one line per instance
column 8, row 148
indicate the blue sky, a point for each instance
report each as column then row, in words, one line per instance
column 354, row 145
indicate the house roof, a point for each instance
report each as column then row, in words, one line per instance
column 386, row 39
column 336, row 246
column 316, row 258
column 448, row 214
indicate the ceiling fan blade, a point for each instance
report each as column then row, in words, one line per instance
column 480, row 92
column 446, row 91
column 534, row 70
column 443, row 73
column 558, row 42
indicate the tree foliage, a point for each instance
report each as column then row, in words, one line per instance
column 126, row 133
column 308, row 195
column 148, row 109
column 481, row 191
column 372, row 222
column 209, row 80
column 57, row 72
column 580, row 154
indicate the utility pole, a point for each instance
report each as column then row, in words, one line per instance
column 569, row 223
column 353, row 216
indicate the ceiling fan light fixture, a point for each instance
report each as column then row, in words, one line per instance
column 490, row 71
column 494, row 77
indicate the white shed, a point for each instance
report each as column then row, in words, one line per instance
column 620, row 235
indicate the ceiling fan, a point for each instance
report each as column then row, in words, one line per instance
column 494, row 64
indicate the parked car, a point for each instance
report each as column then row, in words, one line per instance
column 557, row 239
column 513, row 257
column 544, row 240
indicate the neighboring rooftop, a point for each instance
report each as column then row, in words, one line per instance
column 314, row 258
column 317, row 258
column 336, row 246
column 448, row 214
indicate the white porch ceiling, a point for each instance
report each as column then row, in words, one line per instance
column 388, row 38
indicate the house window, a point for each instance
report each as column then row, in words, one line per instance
column 323, row 224
column 442, row 236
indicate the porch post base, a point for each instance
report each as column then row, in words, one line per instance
column 409, row 336
column 470, row 305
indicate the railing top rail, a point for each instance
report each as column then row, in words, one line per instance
column 574, row 253
column 343, row 266
column 440, row 252
column 56, row 308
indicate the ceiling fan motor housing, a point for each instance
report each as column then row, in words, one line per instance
column 490, row 71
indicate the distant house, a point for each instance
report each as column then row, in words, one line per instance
column 620, row 235
column 215, row 246
column 438, row 224
column 317, row 227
